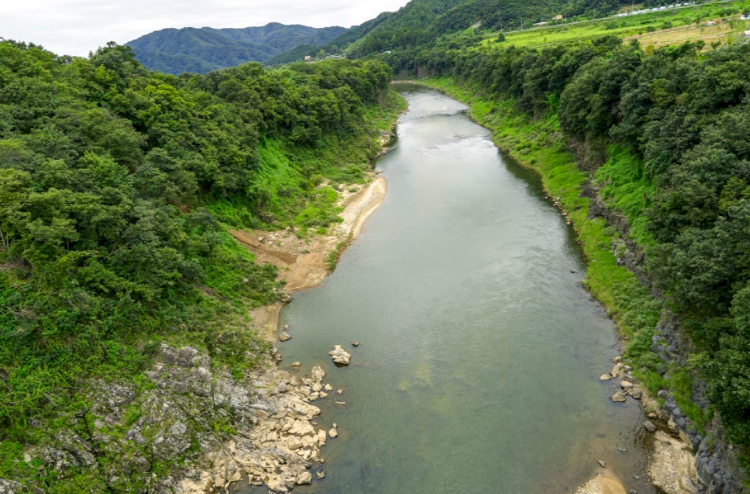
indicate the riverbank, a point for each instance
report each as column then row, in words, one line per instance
column 281, row 447
column 305, row 262
column 540, row 146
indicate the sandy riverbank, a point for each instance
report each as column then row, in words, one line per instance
column 303, row 263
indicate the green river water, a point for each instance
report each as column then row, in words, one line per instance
column 480, row 356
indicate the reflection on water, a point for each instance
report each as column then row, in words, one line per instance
column 480, row 351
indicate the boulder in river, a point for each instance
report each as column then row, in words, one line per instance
column 340, row 356
column 649, row 426
column 619, row 397
column 285, row 336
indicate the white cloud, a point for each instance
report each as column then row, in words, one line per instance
column 76, row 27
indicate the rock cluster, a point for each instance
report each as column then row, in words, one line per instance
column 282, row 446
column 340, row 356
column 628, row 385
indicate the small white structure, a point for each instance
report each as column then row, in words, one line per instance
column 308, row 58
column 540, row 24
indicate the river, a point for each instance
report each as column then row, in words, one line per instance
column 480, row 352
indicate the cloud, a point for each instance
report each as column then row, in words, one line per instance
column 76, row 27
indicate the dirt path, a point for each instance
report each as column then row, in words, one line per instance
column 303, row 263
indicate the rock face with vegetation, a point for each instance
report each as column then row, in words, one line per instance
column 196, row 427
column 126, row 355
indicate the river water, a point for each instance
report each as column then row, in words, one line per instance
column 480, row 351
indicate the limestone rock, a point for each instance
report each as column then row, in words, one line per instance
column 304, row 478
column 619, row 397
column 317, row 374
column 605, row 377
column 602, row 463
column 340, row 356
column 285, row 337
column 649, row 426
column 333, row 432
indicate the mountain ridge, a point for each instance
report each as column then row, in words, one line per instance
column 204, row 49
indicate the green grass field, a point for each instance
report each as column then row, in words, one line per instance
column 656, row 28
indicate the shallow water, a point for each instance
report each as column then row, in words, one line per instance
column 480, row 351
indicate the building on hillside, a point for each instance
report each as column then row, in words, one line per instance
column 308, row 58
column 746, row 35
column 558, row 17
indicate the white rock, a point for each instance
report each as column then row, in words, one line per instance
column 285, row 336
column 619, row 397
column 340, row 356
column 333, row 433
column 317, row 373
column 328, row 387
column 304, row 478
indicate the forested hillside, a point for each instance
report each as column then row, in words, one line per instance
column 117, row 185
column 421, row 22
column 175, row 51
column 664, row 138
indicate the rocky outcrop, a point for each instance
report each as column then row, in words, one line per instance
column 199, row 426
column 280, row 448
column 716, row 460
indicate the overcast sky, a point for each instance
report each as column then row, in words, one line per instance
column 76, row 27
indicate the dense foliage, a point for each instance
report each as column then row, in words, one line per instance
column 422, row 22
column 114, row 182
column 175, row 51
column 679, row 118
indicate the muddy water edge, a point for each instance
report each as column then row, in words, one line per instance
column 480, row 352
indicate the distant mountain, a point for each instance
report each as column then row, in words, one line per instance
column 175, row 51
